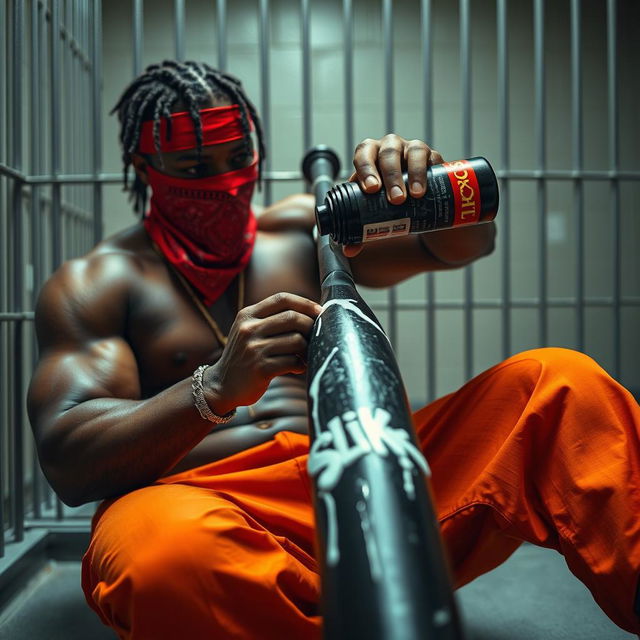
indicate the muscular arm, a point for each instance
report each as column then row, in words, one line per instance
column 388, row 262
column 293, row 213
column 95, row 436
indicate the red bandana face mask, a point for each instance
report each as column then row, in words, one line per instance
column 204, row 226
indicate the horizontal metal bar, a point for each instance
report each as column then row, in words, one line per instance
column 74, row 178
column 49, row 514
column 10, row 172
column 280, row 176
column 116, row 178
column 70, row 524
column 496, row 303
column 16, row 316
column 419, row 305
column 66, row 209
column 19, row 553
column 566, row 174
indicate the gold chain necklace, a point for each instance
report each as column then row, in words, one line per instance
column 196, row 299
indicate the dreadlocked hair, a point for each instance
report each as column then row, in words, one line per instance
column 150, row 96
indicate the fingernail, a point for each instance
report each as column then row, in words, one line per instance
column 370, row 181
column 416, row 187
column 396, row 192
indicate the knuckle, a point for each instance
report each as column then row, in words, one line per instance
column 278, row 298
column 365, row 144
column 387, row 152
column 392, row 139
column 245, row 330
column 299, row 341
column 363, row 168
column 263, row 367
column 416, row 146
column 393, row 175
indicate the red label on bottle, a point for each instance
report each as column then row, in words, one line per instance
column 466, row 191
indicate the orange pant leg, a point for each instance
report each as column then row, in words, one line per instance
column 222, row 551
column 544, row 447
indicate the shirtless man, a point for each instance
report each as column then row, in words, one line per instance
column 121, row 336
column 123, row 328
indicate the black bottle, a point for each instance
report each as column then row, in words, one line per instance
column 458, row 193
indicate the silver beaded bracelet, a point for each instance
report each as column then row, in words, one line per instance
column 197, row 391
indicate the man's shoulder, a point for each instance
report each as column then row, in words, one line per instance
column 285, row 261
column 98, row 280
column 293, row 213
column 284, row 247
column 112, row 261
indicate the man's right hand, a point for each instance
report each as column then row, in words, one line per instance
column 266, row 340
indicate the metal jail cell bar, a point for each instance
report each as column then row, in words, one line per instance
column 389, row 117
column 80, row 23
column 5, row 190
column 95, row 12
column 505, row 215
column 137, row 36
column 35, row 211
column 221, row 8
column 265, row 92
column 38, row 65
column 465, row 78
column 426, row 11
column 541, row 157
column 17, row 381
column 577, row 157
column 307, row 126
column 614, row 156
column 61, row 29
column 347, row 35
column 180, row 27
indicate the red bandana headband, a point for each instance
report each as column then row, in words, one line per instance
column 219, row 124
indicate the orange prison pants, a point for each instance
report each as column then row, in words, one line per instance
column 543, row 447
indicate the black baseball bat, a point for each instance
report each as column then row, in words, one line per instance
column 384, row 573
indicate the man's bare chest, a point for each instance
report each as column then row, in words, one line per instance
column 170, row 335
column 169, row 338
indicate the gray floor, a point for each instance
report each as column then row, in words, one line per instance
column 531, row 597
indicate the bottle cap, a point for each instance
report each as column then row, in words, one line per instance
column 323, row 219
column 488, row 183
